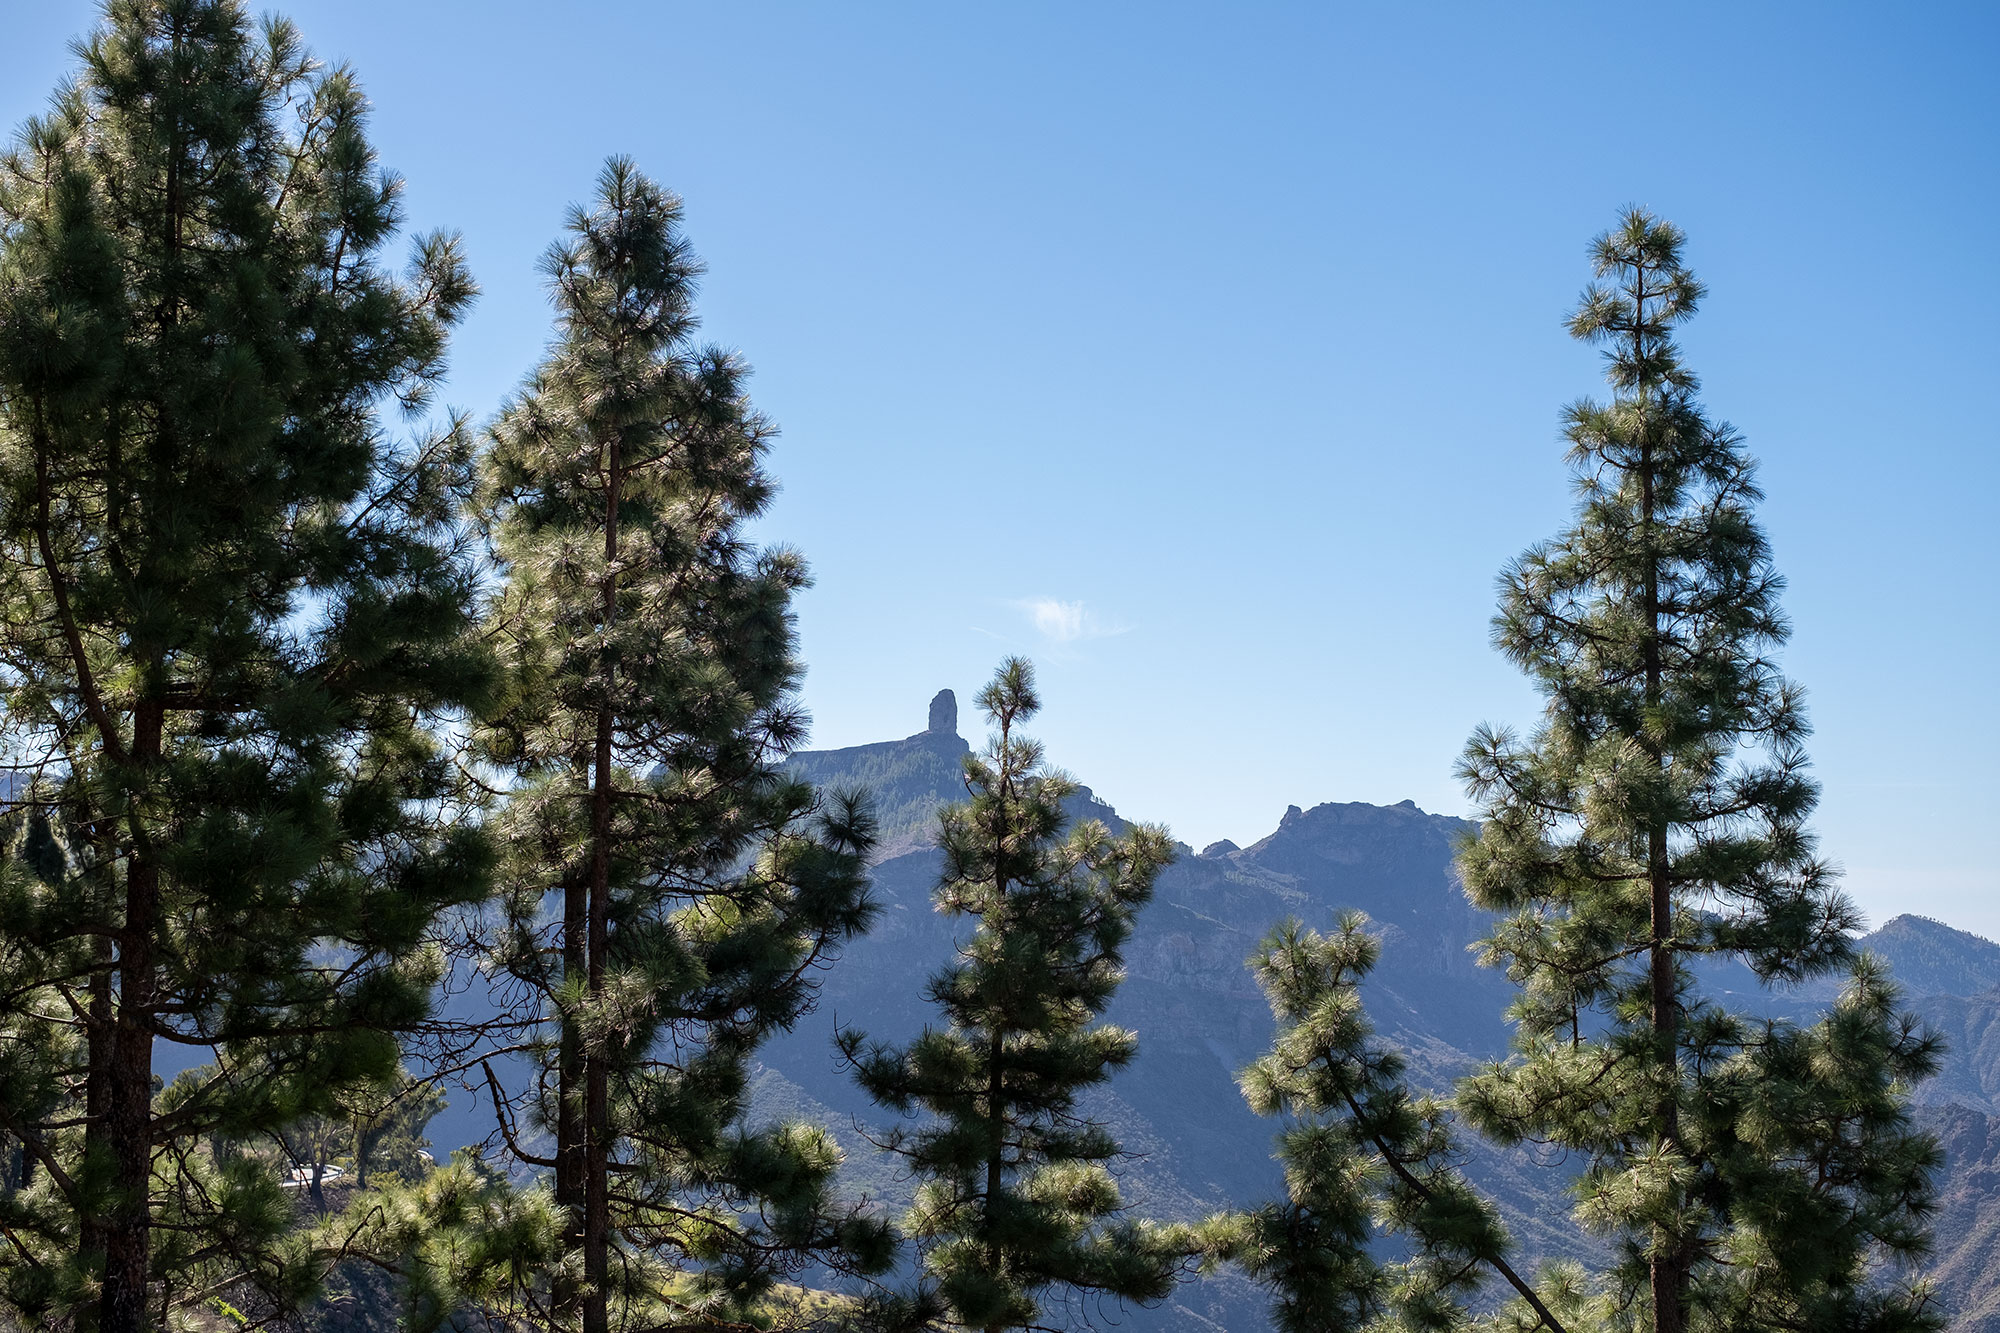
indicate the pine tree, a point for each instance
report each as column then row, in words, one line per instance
column 1015, row 1197
column 669, row 892
column 1362, row 1156
column 1751, row 1173
column 385, row 1129
column 233, row 610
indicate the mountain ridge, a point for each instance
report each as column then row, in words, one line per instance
column 1201, row 1018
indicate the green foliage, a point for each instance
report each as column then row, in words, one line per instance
column 234, row 604
column 669, row 893
column 447, row 1250
column 385, row 1128
column 372, row 1130
column 1360, row 1153
column 1748, row 1174
column 1015, row 1197
column 234, row 607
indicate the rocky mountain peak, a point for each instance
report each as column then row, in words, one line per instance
column 1928, row 957
column 944, row 714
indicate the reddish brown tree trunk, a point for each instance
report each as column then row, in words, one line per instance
column 1668, row 1275
column 97, row 1097
column 1667, row 1271
column 128, row 1100
column 570, row 1156
column 597, row 1099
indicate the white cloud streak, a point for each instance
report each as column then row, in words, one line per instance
column 1066, row 622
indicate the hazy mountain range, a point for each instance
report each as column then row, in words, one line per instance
column 1200, row 1016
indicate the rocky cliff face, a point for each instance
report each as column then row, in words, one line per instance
column 1967, row 1226
column 1200, row 1016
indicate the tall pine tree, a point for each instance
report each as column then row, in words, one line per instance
column 1752, row 1174
column 1015, row 1200
column 233, row 610
column 669, row 892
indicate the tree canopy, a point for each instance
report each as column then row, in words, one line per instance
column 232, row 604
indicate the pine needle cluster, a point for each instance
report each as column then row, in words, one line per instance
column 1362, row 1154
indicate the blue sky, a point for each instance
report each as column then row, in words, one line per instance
column 1212, row 356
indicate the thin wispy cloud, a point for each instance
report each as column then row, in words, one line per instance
column 1066, row 622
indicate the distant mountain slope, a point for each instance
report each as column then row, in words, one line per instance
column 1188, row 993
column 1967, row 1226
column 907, row 779
column 1200, row 1017
column 1930, row 958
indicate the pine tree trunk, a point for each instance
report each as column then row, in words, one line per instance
column 569, row 1092
column 597, row 1127
column 597, row 1104
column 129, row 1096
column 97, row 1099
column 995, row 1155
column 1666, row 1276
column 996, row 1051
column 129, row 1102
column 1667, row 1271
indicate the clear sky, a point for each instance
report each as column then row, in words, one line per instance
column 1212, row 355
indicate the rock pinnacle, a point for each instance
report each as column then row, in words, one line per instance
column 944, row 713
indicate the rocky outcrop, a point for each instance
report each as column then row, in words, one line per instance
column 944, row 714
